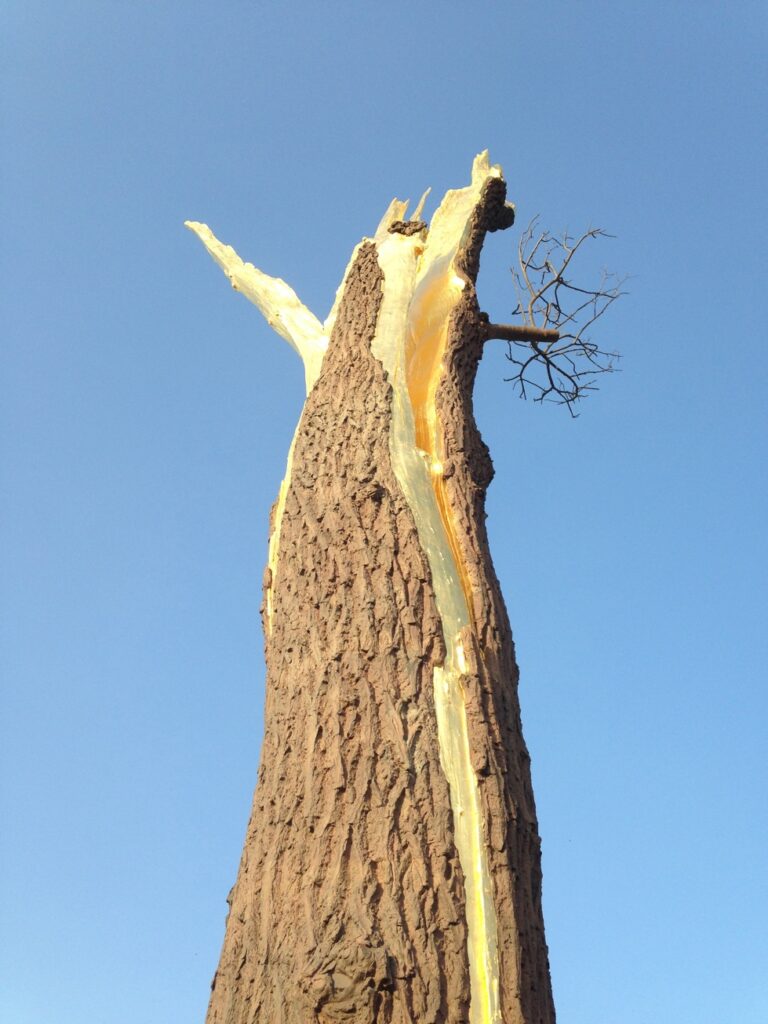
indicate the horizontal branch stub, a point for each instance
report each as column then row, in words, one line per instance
column 520, row 332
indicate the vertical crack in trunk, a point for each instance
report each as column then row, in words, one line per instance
column 421, row 290
column 429, row 316
column 274, row 536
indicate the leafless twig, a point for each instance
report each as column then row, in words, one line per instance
column 553, row 354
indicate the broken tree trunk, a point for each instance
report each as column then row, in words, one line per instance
column 391, row 869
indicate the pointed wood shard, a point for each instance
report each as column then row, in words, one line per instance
column 278, row 302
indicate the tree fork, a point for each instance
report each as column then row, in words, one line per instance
column 391, row 867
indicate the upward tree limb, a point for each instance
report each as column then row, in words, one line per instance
column 276, row 300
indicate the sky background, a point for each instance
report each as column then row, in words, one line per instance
column 146, row 416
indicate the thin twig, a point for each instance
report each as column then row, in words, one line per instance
column 551, row 351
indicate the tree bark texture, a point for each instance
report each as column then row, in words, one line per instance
column 352, row 903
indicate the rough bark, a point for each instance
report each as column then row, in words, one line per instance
column 499, row 752
column 350, row 901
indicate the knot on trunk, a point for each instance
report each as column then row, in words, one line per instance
column 350, row 985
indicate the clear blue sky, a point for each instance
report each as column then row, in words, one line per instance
column 146, row 415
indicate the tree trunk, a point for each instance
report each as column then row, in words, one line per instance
column 391, row 869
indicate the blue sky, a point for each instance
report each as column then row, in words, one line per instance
column 146, row 415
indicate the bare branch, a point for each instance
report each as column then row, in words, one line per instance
column 519, row 332
column 551, row 350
